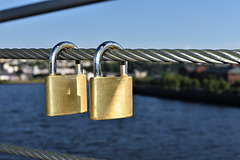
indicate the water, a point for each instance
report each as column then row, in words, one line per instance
column 159, row 129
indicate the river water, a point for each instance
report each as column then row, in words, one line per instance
column 159, row 129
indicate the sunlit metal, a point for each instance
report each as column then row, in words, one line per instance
column 132, row 55
column 54, row 55
column 99, row 54
column 42, row 7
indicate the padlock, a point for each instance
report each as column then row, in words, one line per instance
column 110, row 97
column 65, row 94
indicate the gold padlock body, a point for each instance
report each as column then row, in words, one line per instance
column 110, row 98
column 65, row 95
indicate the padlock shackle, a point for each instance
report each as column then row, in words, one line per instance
column 54, row 55
column 102, row 48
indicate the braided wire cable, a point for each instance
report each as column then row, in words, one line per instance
column 133, row 55
column 39, row 154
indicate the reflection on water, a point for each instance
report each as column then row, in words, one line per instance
column 159, row 129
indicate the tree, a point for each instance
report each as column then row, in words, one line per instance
column 224, row 86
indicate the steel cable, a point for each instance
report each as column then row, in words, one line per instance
column 132, row 55
column 39, row 154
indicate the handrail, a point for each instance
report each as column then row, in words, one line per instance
column 221, row 56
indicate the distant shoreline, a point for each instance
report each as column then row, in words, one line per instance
column 226, row 99
column 22, row 82
column 192, row 96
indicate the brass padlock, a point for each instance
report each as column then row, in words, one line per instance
column 110, row 97
column 65, row 94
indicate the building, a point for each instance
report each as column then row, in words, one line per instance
column 231, row 73
column 186, row 70
column 140, row 74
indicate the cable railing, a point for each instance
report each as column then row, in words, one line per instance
column 221, row 56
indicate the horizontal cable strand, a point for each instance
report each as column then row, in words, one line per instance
column 39, row 154
column 131, row 55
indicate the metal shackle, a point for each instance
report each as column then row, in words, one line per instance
column 54, row 55
column 102, row 48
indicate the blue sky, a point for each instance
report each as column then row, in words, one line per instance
column 132, row 23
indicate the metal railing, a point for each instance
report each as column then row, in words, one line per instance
column 221, row 56
column 39, row 154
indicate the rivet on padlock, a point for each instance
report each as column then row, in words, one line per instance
column 110, row 97
column 65, row 94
